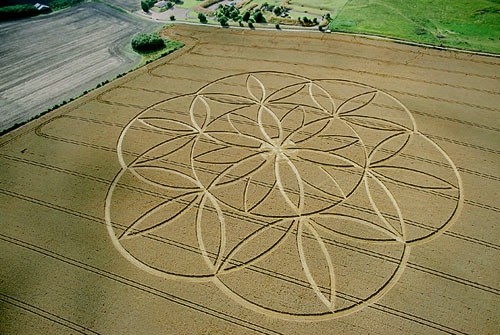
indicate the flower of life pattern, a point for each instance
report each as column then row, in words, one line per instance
column 300, row 199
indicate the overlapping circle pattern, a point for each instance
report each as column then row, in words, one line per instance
column 330, row 170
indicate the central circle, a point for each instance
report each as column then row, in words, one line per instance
column 275, row 148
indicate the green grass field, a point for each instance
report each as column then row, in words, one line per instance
column 464, row 24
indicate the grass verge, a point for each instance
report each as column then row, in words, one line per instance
column 170, row 46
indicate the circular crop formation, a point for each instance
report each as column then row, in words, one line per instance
column 299, row 198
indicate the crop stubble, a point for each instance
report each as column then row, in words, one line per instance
column 450, row 285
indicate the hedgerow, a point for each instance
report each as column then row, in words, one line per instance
column 60, row 4
column 17, row 12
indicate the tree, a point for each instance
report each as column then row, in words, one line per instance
column 223, row 21
column 246, row 16
column 258, row 17
column 202, row 18
column 145, row 6
column 143, row 43
column 235, row 14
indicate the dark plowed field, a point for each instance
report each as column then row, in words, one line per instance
column 52, row 58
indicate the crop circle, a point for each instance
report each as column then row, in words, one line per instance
column 280, row 176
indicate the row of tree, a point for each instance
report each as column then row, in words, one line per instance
column 28, row 10
column 17, row 12
column 224, row 13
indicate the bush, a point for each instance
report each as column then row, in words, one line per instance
column 144, row 43
column 202, row 18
